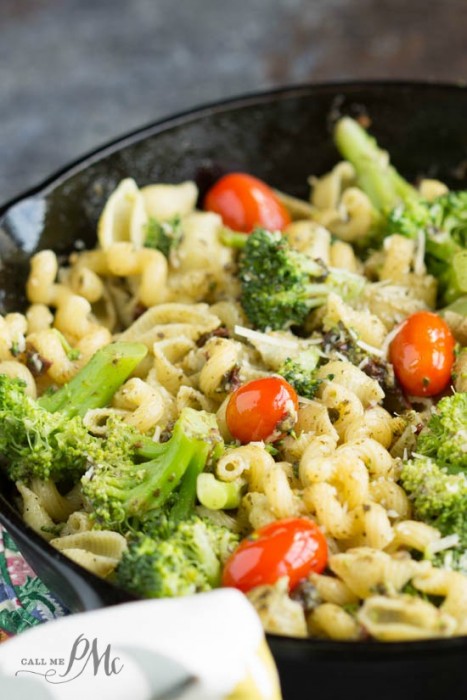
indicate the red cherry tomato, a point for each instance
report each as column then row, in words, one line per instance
column 292, row 547
column 263, row 409
column 245, row 202
column 423, row 354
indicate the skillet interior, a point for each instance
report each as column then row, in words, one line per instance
column 282, row 137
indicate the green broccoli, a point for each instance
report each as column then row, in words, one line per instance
column 164, row 235
column 445, row 437
column 118, row 491
column 233, row 239
column 172, row 551
column 458, row 307
column 436, row 477
column 444, row 222
column 175, row 558
column 399, row 208
column 375, row 174
column 47, row 439
column 36, row 443
column 218, row 495
column 281, row 285
column 95, row 384
column 126, row 475
column 439, row 498
column 299, row 372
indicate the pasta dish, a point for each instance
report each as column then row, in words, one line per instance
column 257, row 391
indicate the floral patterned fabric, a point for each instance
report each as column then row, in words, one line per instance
column 25, row 601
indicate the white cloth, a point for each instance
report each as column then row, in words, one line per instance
column 201, row 647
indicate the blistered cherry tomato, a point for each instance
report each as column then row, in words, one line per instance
column 423, row 354
column 292, row 547
column 245, row 202
column 263, row 409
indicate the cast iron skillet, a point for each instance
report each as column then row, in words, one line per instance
column 282, row 137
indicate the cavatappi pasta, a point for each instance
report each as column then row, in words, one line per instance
column 340, row 466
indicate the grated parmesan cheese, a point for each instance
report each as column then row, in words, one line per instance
column 369, row 348
column 393, row 513
column 249, row 334
column 388, row 340
column 444, row 543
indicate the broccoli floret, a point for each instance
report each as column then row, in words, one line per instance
column 300, row 372
column 445, row 437
column 439, row 498
column 281, row 285
column 444, row 223
column 116, row 492
column 127, row 474
column 46, row 439
column 36, row 443
column 401, row 209
column 164, row 235
column 175, row 558
column 157, row 569
column 436, row 477
column 445, row 219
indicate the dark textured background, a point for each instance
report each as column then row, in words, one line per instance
column 76, row 73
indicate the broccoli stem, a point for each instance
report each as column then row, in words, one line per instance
column 376, row 177
column 180, row 459
column 96, row 382
column 185, row 503
column 216, row 495
column 457, row 307
column 165, row 473
column 233, row 239
column 458, row 277
column 347, row 284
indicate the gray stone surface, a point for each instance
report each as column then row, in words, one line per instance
column 76, row 73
